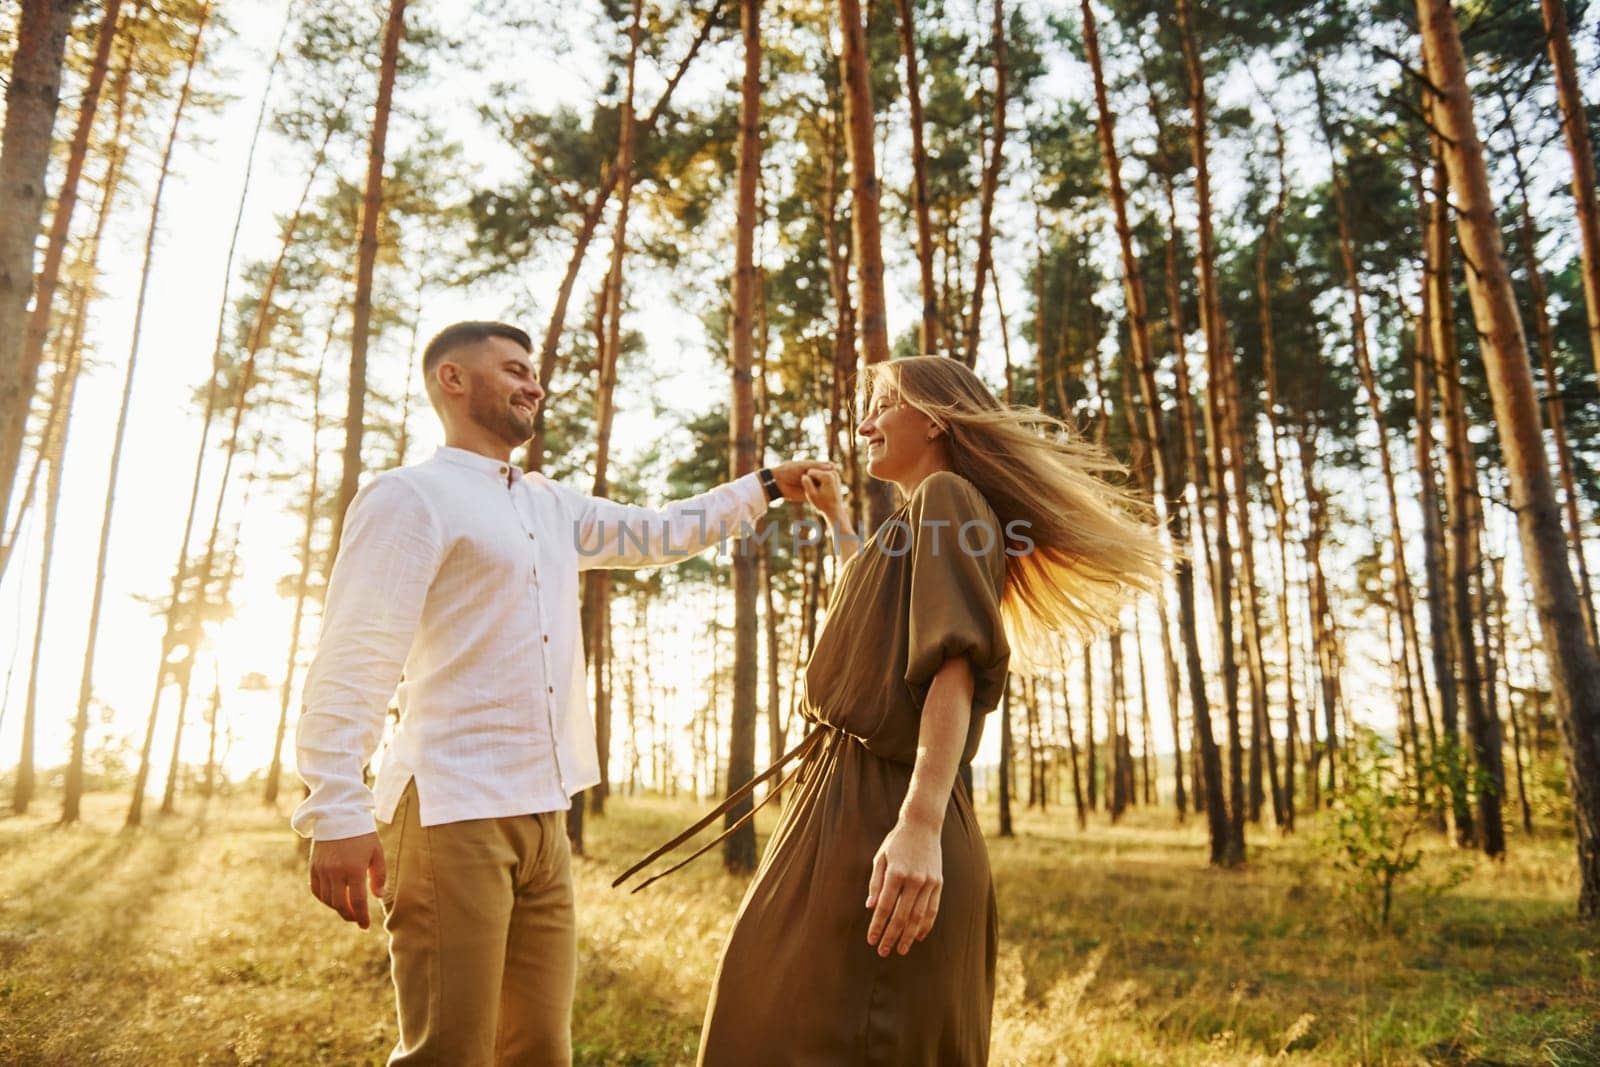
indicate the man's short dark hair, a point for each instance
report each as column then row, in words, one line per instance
column 461, row 334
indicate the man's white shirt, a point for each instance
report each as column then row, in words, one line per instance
column 462, row 573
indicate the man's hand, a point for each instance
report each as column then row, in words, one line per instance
column 341, row 871
column 791, row 476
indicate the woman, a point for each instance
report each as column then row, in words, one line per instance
column 1005, row 539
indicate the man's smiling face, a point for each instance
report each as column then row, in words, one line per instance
column 503, row 391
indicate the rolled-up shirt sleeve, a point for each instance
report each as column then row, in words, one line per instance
column 389, row 553
column 607, row 534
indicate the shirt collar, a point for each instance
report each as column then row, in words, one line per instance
column 506, row 473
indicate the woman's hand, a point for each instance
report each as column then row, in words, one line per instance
column 824, row 492
column 907, row 878
column 790, row 476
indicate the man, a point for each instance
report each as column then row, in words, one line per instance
column 462, row 573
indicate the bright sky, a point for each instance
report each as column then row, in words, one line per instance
column 163, row 432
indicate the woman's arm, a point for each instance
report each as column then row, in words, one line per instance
column 908, row 871
column 823, row 492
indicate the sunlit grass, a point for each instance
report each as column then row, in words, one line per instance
column 195, row 940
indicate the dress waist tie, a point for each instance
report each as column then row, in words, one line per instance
column 796, row 755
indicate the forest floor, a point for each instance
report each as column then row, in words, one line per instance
column 196, row 941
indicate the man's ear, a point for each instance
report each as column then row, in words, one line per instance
column 450, row 378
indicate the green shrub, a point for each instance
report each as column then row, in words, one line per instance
column 1373, row 833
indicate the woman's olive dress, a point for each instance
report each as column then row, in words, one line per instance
column 798, row 983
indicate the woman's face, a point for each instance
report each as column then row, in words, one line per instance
column 898, row 436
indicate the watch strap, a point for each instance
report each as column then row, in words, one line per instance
column 769, row 483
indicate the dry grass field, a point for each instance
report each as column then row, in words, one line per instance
column 195, row 941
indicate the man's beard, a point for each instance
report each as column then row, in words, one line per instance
column 504, row 421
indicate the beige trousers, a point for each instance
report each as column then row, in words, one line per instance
column 482, row 944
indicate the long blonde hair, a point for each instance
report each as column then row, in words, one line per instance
column 1096, row 544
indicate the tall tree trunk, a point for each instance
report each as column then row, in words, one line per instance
column 1072, row 746
column 1322, row 621
column 950, row 298
column 550, row 346
column 1239, row 447
column 1197, row 466
column 843, row 369
column 776, row 732
column 254, row 341
column 1005, row 338
column 53, row 446
column 1275, row 472
column 1460, row 481
column 212, row 714
column 1146, row 743
column 1432, row 529
column 919, row 181
column 1411, row 660
column 1575, row 124
column 1039, row 753
column 596, row 626
column 230, row 558
column 769, row 609
column 1030, row 722
column 1169, row 660
column 1100, row 431
column 403, row 434
column 1092, row 768
column 1499, row 616
column 74, row 778
column 302, row 580
column 1555, row 414
column 208, row 785
column 1207, row 776
column 180, row 569
column 1117, row 790
column 1489, row 749
column 989, row 184
column 38, row 326
column 1574, row 662
column 714, row 726
column 366, row 260
column 739, row 849
column 1007, row 760
column 52, row 450
column 805, row 628
column 597, row 584
column 32, row 94
column 185, row 674
column 1167, row 483
column 631, row 785
column 1214, row 330
column 865, row 221
column 1331, row 645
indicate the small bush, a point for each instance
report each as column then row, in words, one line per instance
column 1372, row 837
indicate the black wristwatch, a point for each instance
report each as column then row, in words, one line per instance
column 769, row 482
